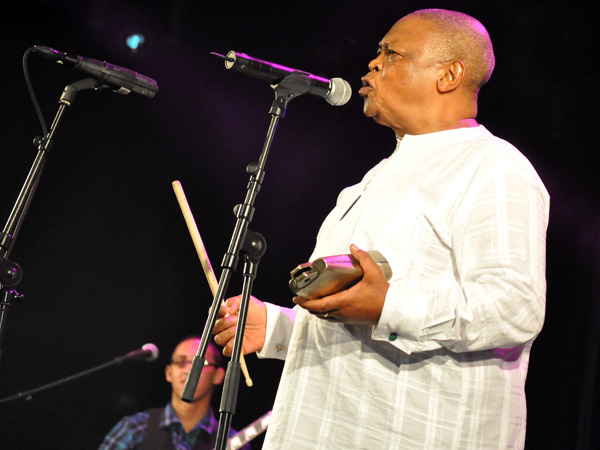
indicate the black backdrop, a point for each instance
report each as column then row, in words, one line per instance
column 108, row 262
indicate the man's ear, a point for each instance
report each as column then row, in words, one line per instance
column 218, row 376
column 168, row 373
column 451, row 76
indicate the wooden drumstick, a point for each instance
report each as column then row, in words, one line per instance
column 206, row 266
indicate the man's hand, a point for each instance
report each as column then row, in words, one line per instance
column 254, row 331
column 361, row 304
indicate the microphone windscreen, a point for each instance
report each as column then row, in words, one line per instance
column 153, row 351
column 340, row 92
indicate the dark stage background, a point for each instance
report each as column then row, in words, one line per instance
column 108, row 261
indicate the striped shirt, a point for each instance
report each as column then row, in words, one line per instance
column 461, row 216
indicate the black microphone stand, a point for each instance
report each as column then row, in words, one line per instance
column 10, row 272
column 253, row 246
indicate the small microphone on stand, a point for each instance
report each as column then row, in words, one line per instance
column 148, row 352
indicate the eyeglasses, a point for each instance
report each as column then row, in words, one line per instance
column 182, row 363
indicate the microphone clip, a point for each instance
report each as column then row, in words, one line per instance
column 292, row 86
column 68, row 95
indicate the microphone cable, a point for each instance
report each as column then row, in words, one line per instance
column 36, row 105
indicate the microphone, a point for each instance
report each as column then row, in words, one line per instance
column 148, row 352
column 124, row 80
column 336, row 91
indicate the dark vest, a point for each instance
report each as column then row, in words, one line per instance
column 160, row 438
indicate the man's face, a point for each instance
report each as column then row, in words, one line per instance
column 177, row 372
column 402, row 79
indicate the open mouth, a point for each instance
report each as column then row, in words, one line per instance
column 367, row 87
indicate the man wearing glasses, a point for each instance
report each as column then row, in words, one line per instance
column 179, row 425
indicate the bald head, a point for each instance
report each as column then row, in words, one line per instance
column 460, row 37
